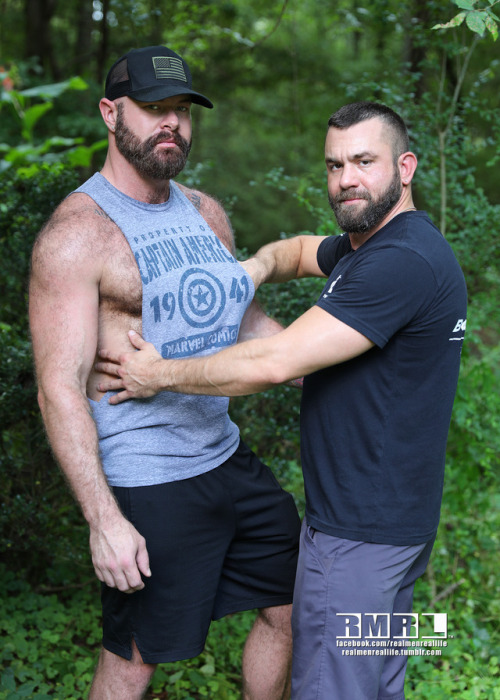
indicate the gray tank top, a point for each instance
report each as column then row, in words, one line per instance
column 194, row 296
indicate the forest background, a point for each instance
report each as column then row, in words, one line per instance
column 276, row 70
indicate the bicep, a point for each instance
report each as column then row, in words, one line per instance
column 308, row 261
column 63, row 310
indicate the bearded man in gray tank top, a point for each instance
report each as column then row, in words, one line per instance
column 186, row 524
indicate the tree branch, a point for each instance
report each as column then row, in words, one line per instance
column 277, row 24
column 446, row 592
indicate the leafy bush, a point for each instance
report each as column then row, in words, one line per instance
column 21, row 111
column 37, row 511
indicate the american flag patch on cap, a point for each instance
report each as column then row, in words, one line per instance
column 168, row 67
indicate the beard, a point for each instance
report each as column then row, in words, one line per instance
column 372, row 214
column 150, row 163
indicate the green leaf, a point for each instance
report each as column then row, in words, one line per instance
column 475, row 22
column 7, row 681
column 77, row 83
column 10, row 97
column 32, row 115
column 465, row 4
column 491, row 26
column 55, row 89
column 82, row 156
column 176, row 676
column 454, row 22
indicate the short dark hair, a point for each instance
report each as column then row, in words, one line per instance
column 357, row 112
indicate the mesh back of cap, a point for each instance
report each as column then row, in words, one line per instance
column 117, row 82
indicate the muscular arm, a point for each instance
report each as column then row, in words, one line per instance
column 281, row 261
column 315, row 340
column 285, row 260
column 64, row 301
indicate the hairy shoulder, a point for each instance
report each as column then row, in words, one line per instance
column 77, row 233
column 214, row 214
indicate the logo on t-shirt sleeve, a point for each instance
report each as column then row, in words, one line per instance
column 330, row 288
column 459, row 330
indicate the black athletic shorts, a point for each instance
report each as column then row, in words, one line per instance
column 218, row 543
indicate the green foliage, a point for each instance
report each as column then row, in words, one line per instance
column 26, row 112
column 478, row 16
column 26, row 202
column 36, row 508
column 48, row 642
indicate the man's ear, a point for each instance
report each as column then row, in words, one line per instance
column 407, row 163
column 109, row 111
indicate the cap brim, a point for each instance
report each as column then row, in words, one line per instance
column 159, row 92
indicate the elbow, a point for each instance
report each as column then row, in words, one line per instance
column 276, row 374
column 41, row 400
column 55, row 395
column 45, row 398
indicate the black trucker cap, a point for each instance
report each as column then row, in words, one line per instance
column 151, row 74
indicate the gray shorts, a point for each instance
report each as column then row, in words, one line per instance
column 338, row 579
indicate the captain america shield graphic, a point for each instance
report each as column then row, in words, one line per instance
column 202, row 298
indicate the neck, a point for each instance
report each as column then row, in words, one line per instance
column 404, row 205
column 125, row 178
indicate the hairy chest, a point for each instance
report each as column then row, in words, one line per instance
column 120, row 286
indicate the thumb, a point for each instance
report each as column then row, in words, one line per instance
column 137, row 340
column 142, row 559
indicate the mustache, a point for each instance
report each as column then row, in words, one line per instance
column 171, row 138
column 351, row 194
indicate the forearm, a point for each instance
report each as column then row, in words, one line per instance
column 236, row 371
column 285, row 260
column 314, row 341
column 73, row 437
column 276, row 262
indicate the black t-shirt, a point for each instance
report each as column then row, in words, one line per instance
column 374, row 429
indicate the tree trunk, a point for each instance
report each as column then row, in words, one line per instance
column 38, row 15
column 415, row 47
column 82, row 54
column 102, row 58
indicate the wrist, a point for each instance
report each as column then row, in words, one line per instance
column 104, row 513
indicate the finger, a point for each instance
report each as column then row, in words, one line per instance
column 107, row 578
column 108, row 368
column 110, row 385
column 122, row 396
column 137, row 340
column 99, row 574
column 132, row 580
column 133, row 589
column 124, row 582
column 109, row 355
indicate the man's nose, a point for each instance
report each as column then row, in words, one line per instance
column 170, row 120
column 349, row 176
